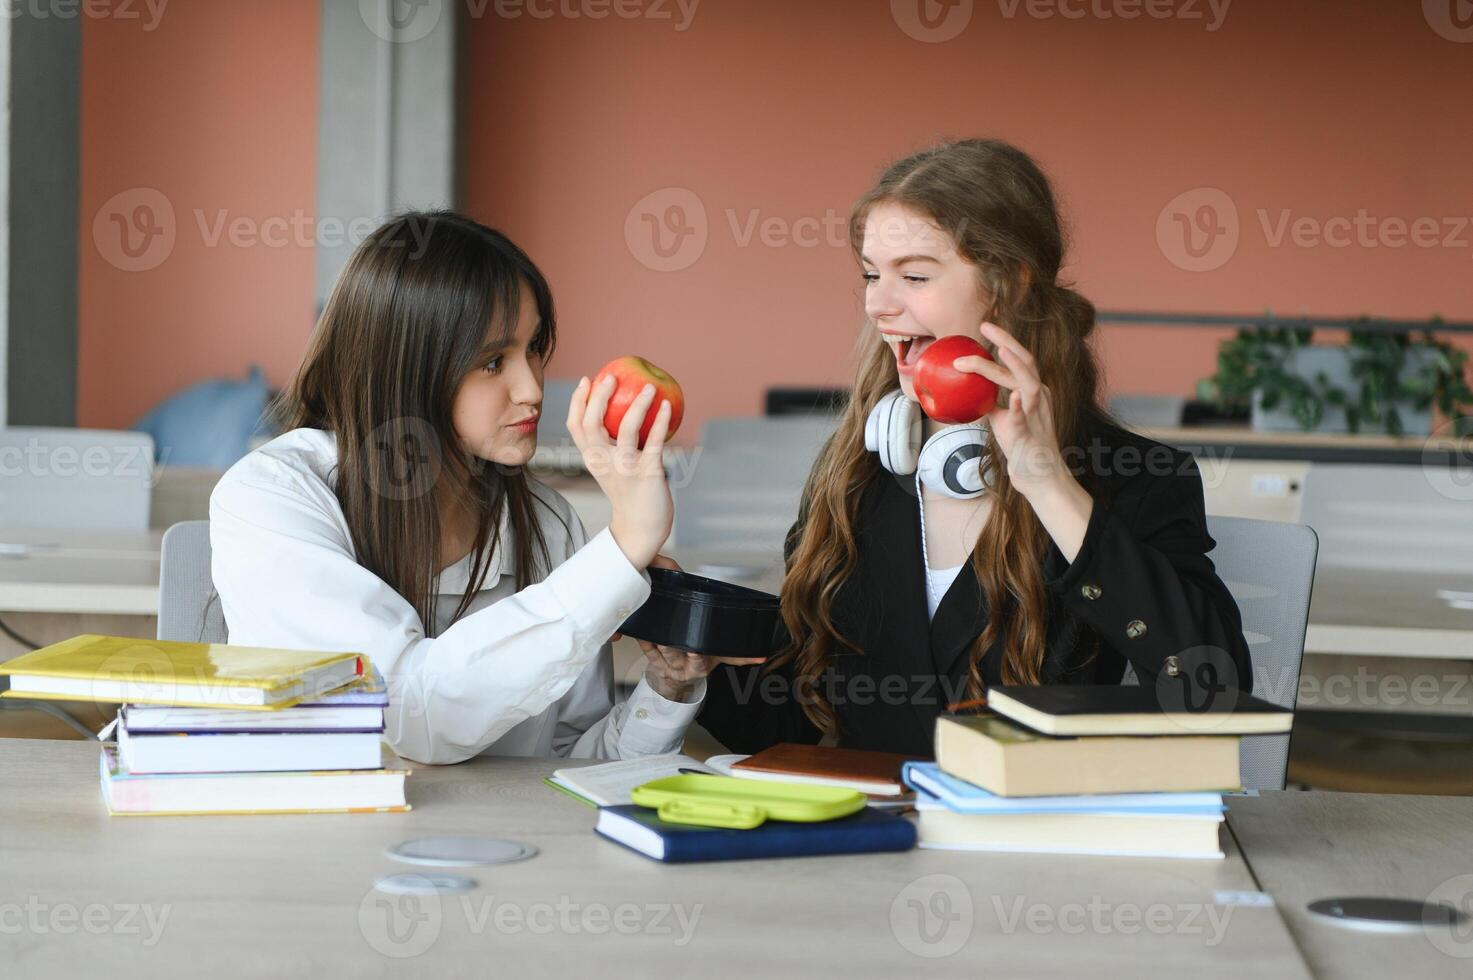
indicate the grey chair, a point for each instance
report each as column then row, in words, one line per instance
column 189, row 606
column 75, row 478
column 1268, row 566
column 739, row 491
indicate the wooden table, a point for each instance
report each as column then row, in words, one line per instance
column 294, row 895
column 1307, row 846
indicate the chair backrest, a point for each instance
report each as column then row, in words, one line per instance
column 1391, row 516
column 189, row 608
column 740, row 488
column 75, row 478
column 1268, row 566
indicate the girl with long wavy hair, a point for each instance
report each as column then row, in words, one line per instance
column 1047, row 545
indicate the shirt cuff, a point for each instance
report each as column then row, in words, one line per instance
column 598, row 587
column 653, row 724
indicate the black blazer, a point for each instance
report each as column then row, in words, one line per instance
column 1141, row 589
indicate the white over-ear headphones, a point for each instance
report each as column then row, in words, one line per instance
column 952, row 462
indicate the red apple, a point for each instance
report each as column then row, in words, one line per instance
column 946, row 394
column 631, row 374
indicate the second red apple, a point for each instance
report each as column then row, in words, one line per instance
column 946, row 394
column 631, row 374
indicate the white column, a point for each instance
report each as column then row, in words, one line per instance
column 386, row 125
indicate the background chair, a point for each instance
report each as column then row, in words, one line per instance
column 804, row 401
column 1269, row 567
column 75, row 478
column 1148, row 411
column 189, row 606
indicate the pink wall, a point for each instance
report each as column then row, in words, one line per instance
column 781, row 110
column 214, row 111
column 788, row 110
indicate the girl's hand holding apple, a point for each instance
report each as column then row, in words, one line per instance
column 629, row 467
column 1024, row 424
column 631, row 375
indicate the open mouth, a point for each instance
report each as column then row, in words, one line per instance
column 908, row 349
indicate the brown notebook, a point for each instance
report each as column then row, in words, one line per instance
column 876, row 773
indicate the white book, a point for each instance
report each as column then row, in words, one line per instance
column 162, row 718
column 348, row 790
column 247, row 752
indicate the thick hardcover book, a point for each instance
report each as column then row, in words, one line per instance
column 1010, row 760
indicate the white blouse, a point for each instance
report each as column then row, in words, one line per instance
column 520, row 673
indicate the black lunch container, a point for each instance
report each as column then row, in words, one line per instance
column 703, row 615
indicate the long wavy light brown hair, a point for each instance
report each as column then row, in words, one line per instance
column 998, row 208
column 408, row 319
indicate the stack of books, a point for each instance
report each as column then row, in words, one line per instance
column 209, row 728
column 1084, row 770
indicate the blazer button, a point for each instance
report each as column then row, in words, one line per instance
column 1135, row 629
column 1091, row 591
column 1173, row 666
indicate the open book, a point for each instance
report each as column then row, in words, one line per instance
column 611, row 783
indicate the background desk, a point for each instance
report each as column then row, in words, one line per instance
column 66, row 570
column 293, row 895
column 58, row 583
column 1390, row 614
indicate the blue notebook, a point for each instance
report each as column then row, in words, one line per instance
column 638, row 828
column 964, row 797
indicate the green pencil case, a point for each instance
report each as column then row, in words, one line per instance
column 741, row 804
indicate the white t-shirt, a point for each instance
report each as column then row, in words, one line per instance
column 940, row 580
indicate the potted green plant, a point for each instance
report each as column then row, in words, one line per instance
column 1378, row 382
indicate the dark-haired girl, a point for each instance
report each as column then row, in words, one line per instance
column 394, row 518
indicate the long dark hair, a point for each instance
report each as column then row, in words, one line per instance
column 405, row 323
column 998, row 208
